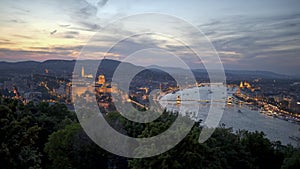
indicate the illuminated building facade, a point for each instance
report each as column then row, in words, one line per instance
column 101, row 80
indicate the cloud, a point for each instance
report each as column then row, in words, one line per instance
column 57, row 48
column 87, row 11
column 40, row 53
column 102, row 3
column 71, row 34
column 84, row 15
column 90, row 26
column 133, row 44
column 64, row 26
column 21, row 9
column 247, row 42
column 17, row 21
column 99, row 3
column 7, row 43
column 22, row 36
column 53, row 32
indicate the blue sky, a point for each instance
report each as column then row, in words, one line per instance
column 250, row 35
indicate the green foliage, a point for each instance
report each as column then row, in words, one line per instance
column 71, row 148
column 292, row 162
column 24, row 131
column 19, row 139
column 49, row 136
column 261, row 149
column 225, row 149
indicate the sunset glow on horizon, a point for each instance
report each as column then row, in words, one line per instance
column 249, row 36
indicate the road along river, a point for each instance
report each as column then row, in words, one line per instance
column 235, row 116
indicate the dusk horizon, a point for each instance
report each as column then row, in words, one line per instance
column 202, row 68
column 252, row 36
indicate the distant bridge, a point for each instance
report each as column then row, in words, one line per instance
column 189, row 100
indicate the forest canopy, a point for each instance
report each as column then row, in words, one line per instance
column 49, row 136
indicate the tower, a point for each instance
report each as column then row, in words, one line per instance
column 178, row 100
column 82, row 71
column 241, row 85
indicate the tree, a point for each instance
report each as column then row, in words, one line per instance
column 261, row 149
column 18, row 140
column 72, row 148
column 292, row 162
column 25, row 130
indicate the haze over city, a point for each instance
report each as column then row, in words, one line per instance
column 254, row 35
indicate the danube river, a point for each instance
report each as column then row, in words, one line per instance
column 235, row 116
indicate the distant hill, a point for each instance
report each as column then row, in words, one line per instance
column 249, row 74
column 32, row 67
column 256, row 74
column 57, row 67
column 230, row 74
column 66, row 67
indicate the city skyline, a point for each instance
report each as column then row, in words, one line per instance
column 247, row 35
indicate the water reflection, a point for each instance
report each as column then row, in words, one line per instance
column 235, row 116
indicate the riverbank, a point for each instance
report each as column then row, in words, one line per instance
column 237, row 116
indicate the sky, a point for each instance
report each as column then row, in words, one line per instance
column 247, row 35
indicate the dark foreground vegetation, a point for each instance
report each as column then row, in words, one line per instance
column 44, row 136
